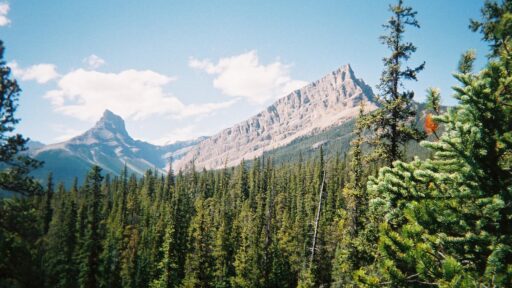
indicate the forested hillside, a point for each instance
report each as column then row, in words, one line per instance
column 336, row 141
column 369, row 218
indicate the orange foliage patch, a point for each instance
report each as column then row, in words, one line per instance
column 430, row 125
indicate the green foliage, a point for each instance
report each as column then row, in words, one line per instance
column 199, row 265
column 447, row 219
column 59, row 262
column 19, row 253
column 434, row 100
column 357, row 232
column 20, row 228
column 90, row 244
column 166, row 270
column 235, row 227
column 16, row 165
column 392, row 123
column 496, row 27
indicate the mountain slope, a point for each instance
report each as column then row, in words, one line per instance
column 109, row 146
column 330, row 101
column 336, row 141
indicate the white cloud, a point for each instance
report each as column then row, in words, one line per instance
column 41, row 73
column 94, row 61
column 133, row 94
column 4, row 10
column 244, row 76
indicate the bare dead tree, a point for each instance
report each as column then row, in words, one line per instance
column 317, row 219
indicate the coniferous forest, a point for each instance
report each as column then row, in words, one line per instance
column 366, row 218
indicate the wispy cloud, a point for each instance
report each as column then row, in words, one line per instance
column 41, row 73
column 244, row 76
column 4, row 10
column 93, row 61
column 134, row 94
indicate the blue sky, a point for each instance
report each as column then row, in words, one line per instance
column 180, row 69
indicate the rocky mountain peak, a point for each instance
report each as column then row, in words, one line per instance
column 111, row 122
column 329, row 101
column 109, row 146
column 347, row 69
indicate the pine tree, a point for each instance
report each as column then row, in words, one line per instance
column 345, row 263
column 20, row 227
column 447, row 219
column 129, row 257
column 247, row 255
column 166, row 269
column 15, row 176
column 91, row 243
column 47, row 210
column 223, row 249
column 115, row 240
column 167, row 276
column 391, row 124
column 59, row 264
column 182, row 210
column 200, row 263
column 20, row 231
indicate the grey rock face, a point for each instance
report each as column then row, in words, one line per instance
column 330, row 101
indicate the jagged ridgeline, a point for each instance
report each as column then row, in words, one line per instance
column 321, row 113
column 109, row 146
column 322, row 110
column 328, row 102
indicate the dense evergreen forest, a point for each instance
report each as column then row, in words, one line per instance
column 366, row 218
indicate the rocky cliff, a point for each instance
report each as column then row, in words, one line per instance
column 328, row 102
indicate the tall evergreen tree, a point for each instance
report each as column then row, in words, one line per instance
column 352, row 251
column 200, row 263
column 60, row 265
column 91, row 244
column 47, row 209
column 447, row 219
column 167, row 276
column 248, row 252
column 15, row 176
column 19, row 224
column 391, row 124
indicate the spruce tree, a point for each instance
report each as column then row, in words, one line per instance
column 391, row 124
column 223, row 250
column 167, row 267
column 248, row 252
column 200, row 263
column 91, row 243
column 14, row 177
column 447, row 219
column 59, row 261
column 18, row 220
column 351, row 219
column 182, row 211
column 47, row 209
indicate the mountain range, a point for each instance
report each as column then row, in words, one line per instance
column 328, row 103
column 109, row 146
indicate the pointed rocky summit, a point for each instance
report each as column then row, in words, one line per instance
column 325, row 103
